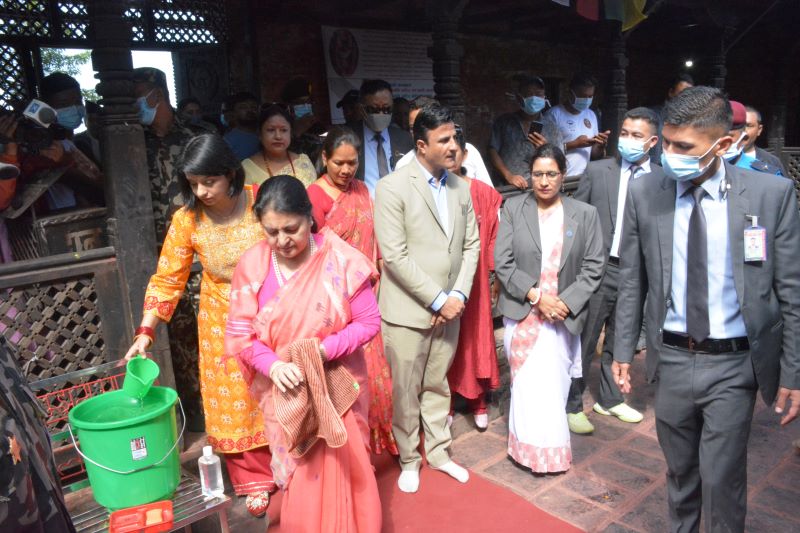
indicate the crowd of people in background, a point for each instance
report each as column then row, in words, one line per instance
column 371, row 256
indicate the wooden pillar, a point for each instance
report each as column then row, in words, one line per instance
column 718, row 69
column 446, row 53
column 615, row 102
column 124, row 158
column 775, row 116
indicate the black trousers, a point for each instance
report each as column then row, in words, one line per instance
column 601, row 311
column 704, row 408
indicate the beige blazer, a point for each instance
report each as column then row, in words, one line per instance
column 419, row 259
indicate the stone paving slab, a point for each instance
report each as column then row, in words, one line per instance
column 617, row 481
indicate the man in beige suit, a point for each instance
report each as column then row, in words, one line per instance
column 428, row 238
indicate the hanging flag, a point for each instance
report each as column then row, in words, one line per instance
column 589, row 9
column 628, row 12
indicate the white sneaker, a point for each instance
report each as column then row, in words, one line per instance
column 459, row 473
column 482, row 420
column 623, row 411
column 408, row 481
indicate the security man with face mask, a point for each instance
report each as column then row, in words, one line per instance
column 713, row 249
column 165, row 133
column 605, row 186
column 382, row 143
column 735, row 154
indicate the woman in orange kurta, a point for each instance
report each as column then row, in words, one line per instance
column 217, row 224
column 342, row 203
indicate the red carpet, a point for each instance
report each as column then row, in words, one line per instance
column 444, row 505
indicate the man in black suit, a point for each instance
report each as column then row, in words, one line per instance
column 714, row 249
column 382, row 143
column 605, row 186
column 754, row 127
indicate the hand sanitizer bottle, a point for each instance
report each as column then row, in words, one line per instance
column 210, row 474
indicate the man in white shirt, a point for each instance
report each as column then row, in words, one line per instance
column 577, row 124
column 473, row 162
column 605, row 186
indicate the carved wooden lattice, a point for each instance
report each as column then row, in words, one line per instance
column 54, row 327
column 152, row 21
column 14, row 88
column 791, row 161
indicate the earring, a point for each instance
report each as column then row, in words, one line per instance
column 563, row 187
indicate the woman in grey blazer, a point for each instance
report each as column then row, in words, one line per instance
column 549, row 259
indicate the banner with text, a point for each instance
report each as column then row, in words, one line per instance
column 353, row 55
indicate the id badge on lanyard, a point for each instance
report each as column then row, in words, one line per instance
column 755, row 242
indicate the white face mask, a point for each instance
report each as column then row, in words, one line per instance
column 378, row 122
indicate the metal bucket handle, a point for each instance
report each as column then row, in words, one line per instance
column 183, row 417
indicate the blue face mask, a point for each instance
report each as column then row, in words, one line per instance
column 581, row 104
column 630, row 149
column 533, row 104
column 685, row 167
column 734, row 150
column 146, row 113
column 71, row 117
column 302, row 110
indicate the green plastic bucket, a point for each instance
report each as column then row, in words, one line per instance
column 129, row 446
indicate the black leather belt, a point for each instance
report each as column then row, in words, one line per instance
column 613, row 260
column 710, row 346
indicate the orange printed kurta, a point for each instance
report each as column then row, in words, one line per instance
column 233, row 420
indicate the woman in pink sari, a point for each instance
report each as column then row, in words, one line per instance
column 342, row 203
column 299, row 288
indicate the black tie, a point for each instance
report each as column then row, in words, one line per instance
column 697, row 271
column 634, row 170
column 383, row 165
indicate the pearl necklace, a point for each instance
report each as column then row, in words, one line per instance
column 276, row 267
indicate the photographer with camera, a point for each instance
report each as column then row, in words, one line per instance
column 38, row 140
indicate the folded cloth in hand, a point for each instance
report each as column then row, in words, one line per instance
column 314, row 409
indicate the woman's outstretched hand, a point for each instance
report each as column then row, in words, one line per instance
column 139, row 346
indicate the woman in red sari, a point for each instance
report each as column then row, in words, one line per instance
column 300, row 288
column 474, row 371
column 342, row 203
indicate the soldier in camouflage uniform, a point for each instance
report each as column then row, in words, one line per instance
column 30, row 492
column 165, row 134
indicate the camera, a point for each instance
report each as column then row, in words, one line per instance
column 36, row 127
